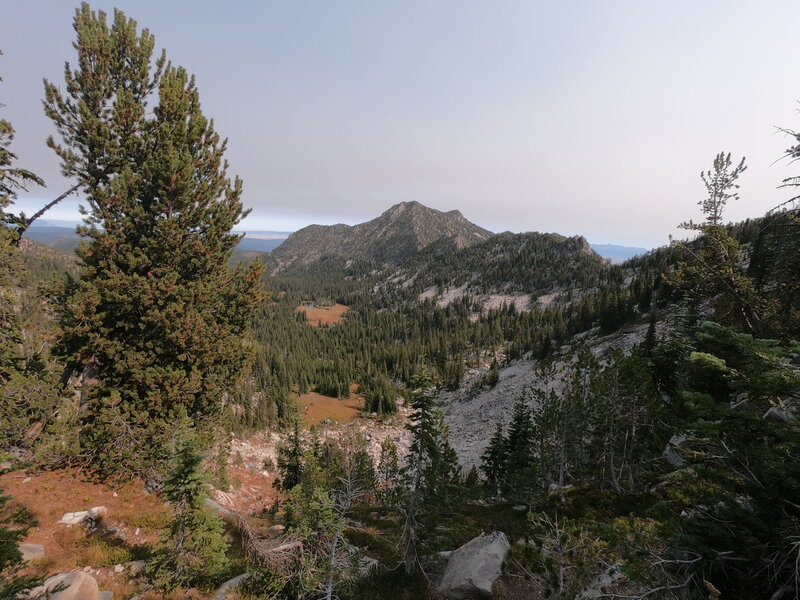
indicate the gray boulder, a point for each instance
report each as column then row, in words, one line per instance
column 472, row 569
column 76, row 585
column 229, row 586
column 777, row 415
column 137, row 567
column 672, row 452
column 91, row 516
column 218, row 508
column 31, row 551
column 597, row 588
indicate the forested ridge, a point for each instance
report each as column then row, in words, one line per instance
column 653, row 453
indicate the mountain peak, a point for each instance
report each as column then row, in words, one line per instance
column 396, row 235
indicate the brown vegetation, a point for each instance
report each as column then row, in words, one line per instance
column 133, row 521
column 317, row 316
column 315, row 408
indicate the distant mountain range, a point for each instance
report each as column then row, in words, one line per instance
column 56, row 237
column 60, row 235
column 618, row 254
column 398, row 234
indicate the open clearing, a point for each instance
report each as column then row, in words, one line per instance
column 315, row 408
column 317, row 316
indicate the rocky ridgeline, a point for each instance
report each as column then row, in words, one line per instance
column 398, row 234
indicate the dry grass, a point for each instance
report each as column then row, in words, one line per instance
column 323, row 315
column 315, row 408
column 49, row 494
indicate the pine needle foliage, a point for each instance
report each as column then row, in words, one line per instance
column 13, row 529
column 193, row 547
column 12, row 180
column 157, row 317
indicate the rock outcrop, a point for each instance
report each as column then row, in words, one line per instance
column 473, row 568
column 90, row 517
column 230, row 585
column 76, row 585
column 777, row 415
column 31, row 551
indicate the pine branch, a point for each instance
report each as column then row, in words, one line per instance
column 26, row 223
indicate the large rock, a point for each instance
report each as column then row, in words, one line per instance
column 777, row 415
column 598, row 587
column 672, row 452
column 91, row 516
column 472, row 569
column 137, row 567
column 230, row 585
column 31, row 551
column 218, row 508
column 76, row 585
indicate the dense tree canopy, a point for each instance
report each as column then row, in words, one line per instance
column 157, row 319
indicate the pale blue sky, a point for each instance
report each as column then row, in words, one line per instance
column 590, row 118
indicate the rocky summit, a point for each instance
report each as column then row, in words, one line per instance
column 398, row 234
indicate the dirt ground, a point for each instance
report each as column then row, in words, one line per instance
column 134, row 518
column 323, row 315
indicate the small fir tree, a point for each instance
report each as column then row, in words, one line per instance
column 290, row 460
column 520, row 474
column 493, row 460
column 432, row 472
column 193, row 547
column 389, row 474
column 13, row 528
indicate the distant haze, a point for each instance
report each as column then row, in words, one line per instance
column 591, row 118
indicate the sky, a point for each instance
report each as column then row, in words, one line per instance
column 591, row 118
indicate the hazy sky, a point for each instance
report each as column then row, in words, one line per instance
column 590, row 118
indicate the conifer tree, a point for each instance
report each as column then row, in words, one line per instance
column 493, row 460
column 738, row 468
column 290, row 460
column 29, row 387
column 157, row 316
column 389, row 474
column 359, row 465
column 624, row 422
column 12, row 531
column 520, row 476
column 715, row 269
column 432, row 471
column 193, row 547
column 12, row 180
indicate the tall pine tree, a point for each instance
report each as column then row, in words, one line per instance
column 432, row 470
column 520, row 477
column 157, row 317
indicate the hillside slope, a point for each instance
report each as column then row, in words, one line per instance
column 509, row 262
